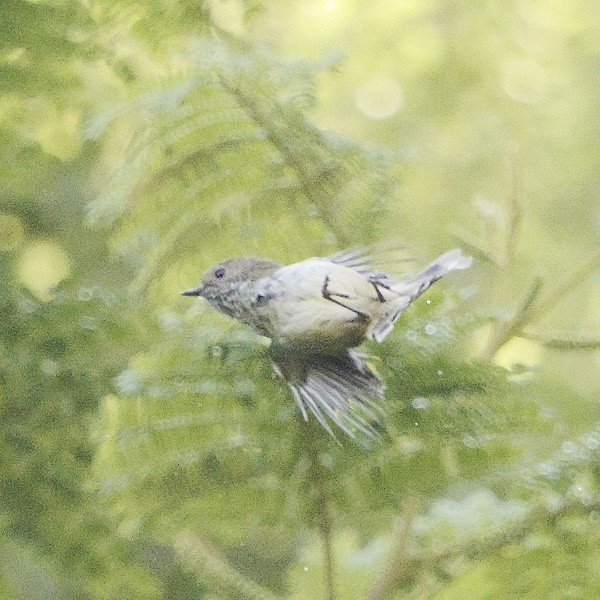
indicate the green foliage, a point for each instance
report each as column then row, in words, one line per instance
column 57, row 359
column 147, row 450
column 232, row 133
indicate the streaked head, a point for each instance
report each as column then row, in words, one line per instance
column 223, row 279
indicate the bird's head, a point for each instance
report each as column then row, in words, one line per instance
column 225, row 279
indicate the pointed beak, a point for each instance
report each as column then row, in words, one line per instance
column 195, row 292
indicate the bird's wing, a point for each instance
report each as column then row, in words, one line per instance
column 340, row 389
column 359, row 259
column 373, row 260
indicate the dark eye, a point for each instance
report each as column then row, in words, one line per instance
column 219, row 273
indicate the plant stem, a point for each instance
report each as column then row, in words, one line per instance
column 386, row 584
column 511, row 328
column 319, row 493
column 319, row 172
column 567, row 286
column 413, row 565
column 531, row 309
column 564, row 344
column 515, row 214
column 325, row 531
column 209, row 567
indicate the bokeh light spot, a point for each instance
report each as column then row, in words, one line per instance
column 43, row 265
column 519, row 351
column 380, row 97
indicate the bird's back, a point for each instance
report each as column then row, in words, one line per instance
column 324, row 305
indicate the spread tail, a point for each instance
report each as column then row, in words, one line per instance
column 412, row 287
column 340, row 389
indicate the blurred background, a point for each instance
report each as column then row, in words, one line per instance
column 146, row 450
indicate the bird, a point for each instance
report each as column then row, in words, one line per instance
column 316, row 312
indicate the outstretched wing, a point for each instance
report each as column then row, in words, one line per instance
column 376, row 261
column 341, row 389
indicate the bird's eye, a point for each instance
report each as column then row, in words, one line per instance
column 219, row 273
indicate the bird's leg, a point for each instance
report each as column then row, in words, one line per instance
column 328, row 295
column 378, row 291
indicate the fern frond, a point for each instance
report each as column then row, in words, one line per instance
column 235, row 120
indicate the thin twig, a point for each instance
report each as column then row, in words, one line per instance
column 472, row 245
column 317, row 175
column 400, row 557
column 533, row 309
column 511, row 328
column 514, row 211
column 562, row 343
column 325, row 531
column 567, row 286
column 415, row 565
column 209, row 567
column 319, row 494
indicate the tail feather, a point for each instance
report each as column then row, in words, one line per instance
column 413, row 287
column 342, row 390
column 453, row 260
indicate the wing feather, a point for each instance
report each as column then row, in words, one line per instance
column 369, row 260
column 341, row 389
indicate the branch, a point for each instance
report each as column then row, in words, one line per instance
column 502, row 233
column 414, row 565
column 563, row 344
column 567, row 286
column 511, row 328
column 325, row 531
column 317, row 171
column 471, row 244
column 399, row 558
column 515, row 214
column 532, row 310
column 208, row 566
column 319, row 496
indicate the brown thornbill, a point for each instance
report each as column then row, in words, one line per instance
column 316, row 312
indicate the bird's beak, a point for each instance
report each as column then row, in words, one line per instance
column 195, row 292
